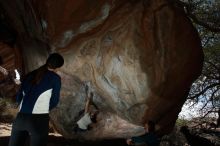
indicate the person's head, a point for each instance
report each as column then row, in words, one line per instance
column 54, row 61
column 93, row 115
column 149, row 126
column 1, row 60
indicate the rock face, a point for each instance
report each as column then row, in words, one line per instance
column 138, row 57
column 10, row 61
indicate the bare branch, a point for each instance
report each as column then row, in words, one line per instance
column 195, row 19
column 204, row 90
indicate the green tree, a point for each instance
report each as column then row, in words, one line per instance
column 205, row 15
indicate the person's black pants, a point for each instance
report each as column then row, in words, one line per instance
column 34, row 125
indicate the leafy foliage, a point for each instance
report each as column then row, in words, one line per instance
column 205, row 14
column 181, row 122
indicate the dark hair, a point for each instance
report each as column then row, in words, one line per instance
column 54, row 61
column 151, row 126
column 1, row 60
column 94, row 117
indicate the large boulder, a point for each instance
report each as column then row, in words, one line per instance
column 11, row 60
column 138, row 57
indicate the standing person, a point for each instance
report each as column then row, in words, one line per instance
column 148, row 138
column 39, row 93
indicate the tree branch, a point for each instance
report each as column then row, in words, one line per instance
column 204, row 90
column 188, row 10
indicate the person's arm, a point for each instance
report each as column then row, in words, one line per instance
column 17, row 77
column 20, row 95
column 21, row 91
column 54, row 100
column 87, row 103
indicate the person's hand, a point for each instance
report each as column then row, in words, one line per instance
column 129, row 141
column 18, row 82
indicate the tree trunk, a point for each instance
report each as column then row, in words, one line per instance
column 218, row 120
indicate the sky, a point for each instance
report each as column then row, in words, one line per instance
column 189, row 112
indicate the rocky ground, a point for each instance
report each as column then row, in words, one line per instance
column 58, row 140
column 174, row 139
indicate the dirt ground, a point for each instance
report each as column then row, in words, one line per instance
column 58, row 140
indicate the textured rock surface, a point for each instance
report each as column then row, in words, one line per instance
column 139, row 59
column 11, row 58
